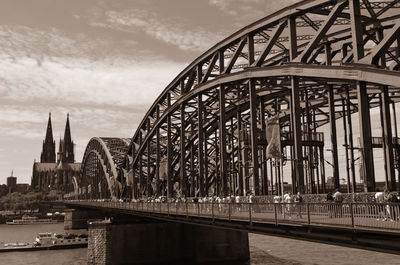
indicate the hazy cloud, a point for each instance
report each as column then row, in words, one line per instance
column 172, row 31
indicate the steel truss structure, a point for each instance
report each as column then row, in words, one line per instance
column 101, row 168
column 309, row 64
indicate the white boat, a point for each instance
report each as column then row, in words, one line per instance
column 31, row 220
column 55, row 240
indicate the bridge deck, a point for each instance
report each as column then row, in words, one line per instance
column 358, row 225
column 376, row 217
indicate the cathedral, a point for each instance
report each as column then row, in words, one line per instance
column 56, row 174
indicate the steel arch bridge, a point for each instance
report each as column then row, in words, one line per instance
column 308, row 64
column 101, row 164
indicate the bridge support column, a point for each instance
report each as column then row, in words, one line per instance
column 332, row 122
column 165, row 243
column 253, row 135
column 387, row 140
column 367, row 159
column 350, row 125
column 297, row 137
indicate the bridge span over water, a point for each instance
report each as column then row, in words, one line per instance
column 248, row 114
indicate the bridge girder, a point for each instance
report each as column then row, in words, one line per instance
column 204, row 134
column 101, row 176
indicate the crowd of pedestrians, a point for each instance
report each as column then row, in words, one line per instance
column 386, row 210
column 289, row 205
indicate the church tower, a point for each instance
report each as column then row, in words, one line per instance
column 48, row 154
column 68, row 145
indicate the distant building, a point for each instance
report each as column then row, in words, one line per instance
column 22, row 187
column 11, row 183
column 3, row 190
column 49, row 174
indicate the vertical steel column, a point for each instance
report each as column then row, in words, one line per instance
column 367, row 159
column 246, row 159
column 272, row 176
column 305, row 165
column 148, row 179
column 315, row 153
column 298, row 145
column 206, row 177
column 387, row 181
column 328, row 54
column 322, row 162
column 291, row 150
column 253, row 134
column 388, row 140
column 264, row 170
column 395, row 126
column 222, row 142
column 158, row 158
column 309, row 148
column 200, row 147
column 217, row 182
column 183, row 178
column 346, row 145
column 232, row 179
column 221, row 60
column 296, row 165
column 292, row 38
column 140, row 193
column 297, row 169
column 250, row 47
column 240, row 160
column 350, row 125
column 169, row 153
column 332, row 122
column 192, row 174
column 278, row 177
column 356, row 29
column 394, row 117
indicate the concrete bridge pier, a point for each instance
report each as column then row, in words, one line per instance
column 77, row 219
column 165, row 243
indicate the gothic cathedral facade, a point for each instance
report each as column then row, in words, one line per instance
column 56, row 172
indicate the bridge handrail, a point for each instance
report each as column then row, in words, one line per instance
column 373, row 216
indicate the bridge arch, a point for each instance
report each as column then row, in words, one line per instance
column 101, row 175
column 308, row 64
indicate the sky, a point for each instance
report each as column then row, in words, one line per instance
column 102, row 61
column 105, row 62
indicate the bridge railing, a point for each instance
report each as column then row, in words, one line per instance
column 376, row 216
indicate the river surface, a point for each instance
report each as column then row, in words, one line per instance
column 264, row 250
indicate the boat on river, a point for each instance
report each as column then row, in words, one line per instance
column 31, row 220
column 60, row 241
column 48, row 241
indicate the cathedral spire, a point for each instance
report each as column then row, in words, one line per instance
column 68, row 144
column 49, row 132
column 48, row 154
column 67, row 133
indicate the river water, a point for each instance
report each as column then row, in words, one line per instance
column 264, row 250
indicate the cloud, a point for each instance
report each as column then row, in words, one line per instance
column 80, row 81
column 247, row 11
column 172, row 31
